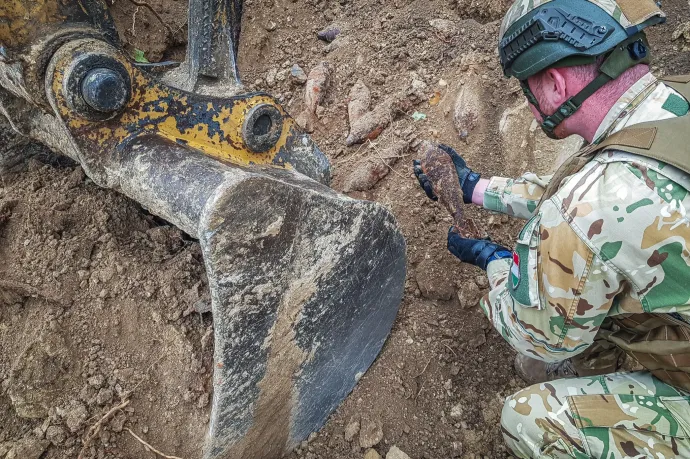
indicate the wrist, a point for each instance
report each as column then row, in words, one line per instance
column 479, row 191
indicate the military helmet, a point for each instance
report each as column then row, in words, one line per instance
column 541, row 34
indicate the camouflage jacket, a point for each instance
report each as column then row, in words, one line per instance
column 613, row 241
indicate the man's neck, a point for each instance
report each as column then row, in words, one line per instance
column 594, row 110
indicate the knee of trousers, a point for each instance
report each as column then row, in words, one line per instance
column 520, row 431
column 524, row 423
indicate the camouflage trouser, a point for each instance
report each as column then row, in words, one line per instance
column 622, row 415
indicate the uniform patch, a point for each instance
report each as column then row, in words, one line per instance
column 515, row 270
column 676, row 105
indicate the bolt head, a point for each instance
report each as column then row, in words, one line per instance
column 105, row 90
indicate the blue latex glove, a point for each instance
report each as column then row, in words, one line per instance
column 478, row 252
column 467, row 177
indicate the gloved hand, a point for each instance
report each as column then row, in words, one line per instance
column 478, row 252
column 424, row 181
column 467, row 177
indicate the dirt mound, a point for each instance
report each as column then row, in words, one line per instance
column 97, row 308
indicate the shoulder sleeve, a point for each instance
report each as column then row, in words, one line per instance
column 515, row 197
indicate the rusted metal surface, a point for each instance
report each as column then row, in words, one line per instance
column 210, row 125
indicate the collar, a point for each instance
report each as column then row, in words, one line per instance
column 632, row 98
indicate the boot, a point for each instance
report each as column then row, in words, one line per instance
column 534, row 371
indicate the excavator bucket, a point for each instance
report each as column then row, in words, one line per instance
column 305, row 282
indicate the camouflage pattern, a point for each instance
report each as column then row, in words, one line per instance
column 573, row 259
column 624, row 14
column 610, row 247
column 625, row 415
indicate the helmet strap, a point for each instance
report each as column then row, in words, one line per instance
column 627, row 54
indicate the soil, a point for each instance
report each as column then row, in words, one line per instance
column 102, row 303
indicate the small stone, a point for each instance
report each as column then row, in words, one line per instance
column 118, row 422
column 371, row 433
column 372, row 454
column 482, row 281
column 456, row 411
column 104, row 396
column 351, row 429
column 96, row 381
column 477, row 340
column 28, row 448
column 328, row 34
column 56, row 435
column 297, row 75
column 456, row 449
column 454, row 369
column 75, row 417
column 396, row 453
column 433, row 281
column 469, row 295
column 271, row 77
column 203, row 400
column 445, row 27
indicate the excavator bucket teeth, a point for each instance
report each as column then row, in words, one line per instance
column 305, row 282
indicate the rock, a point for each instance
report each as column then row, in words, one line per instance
column 372, row 170
column 683, row 30
column 445, row 27
column 28, row 448
column 351, row 429
column 105, row 396
column 482, row 281
column 456, row 411
column 297, row 75
column 372, row 454
column 359, row 101
column 329, row 34
column 396, row 453
column 469, row 295
column 433, row 281
column 456, row 450
column 118, row 422
column 478, row 340
column 56, row 435
column 96, row 381
column 75, row 416
column 38, row 375
column 371, row 432
column 468, row 106
column 75, row 178
column 271, row 77
column 203, row 400
column 486, row 10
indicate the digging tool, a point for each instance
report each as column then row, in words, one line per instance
column 305, row 282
